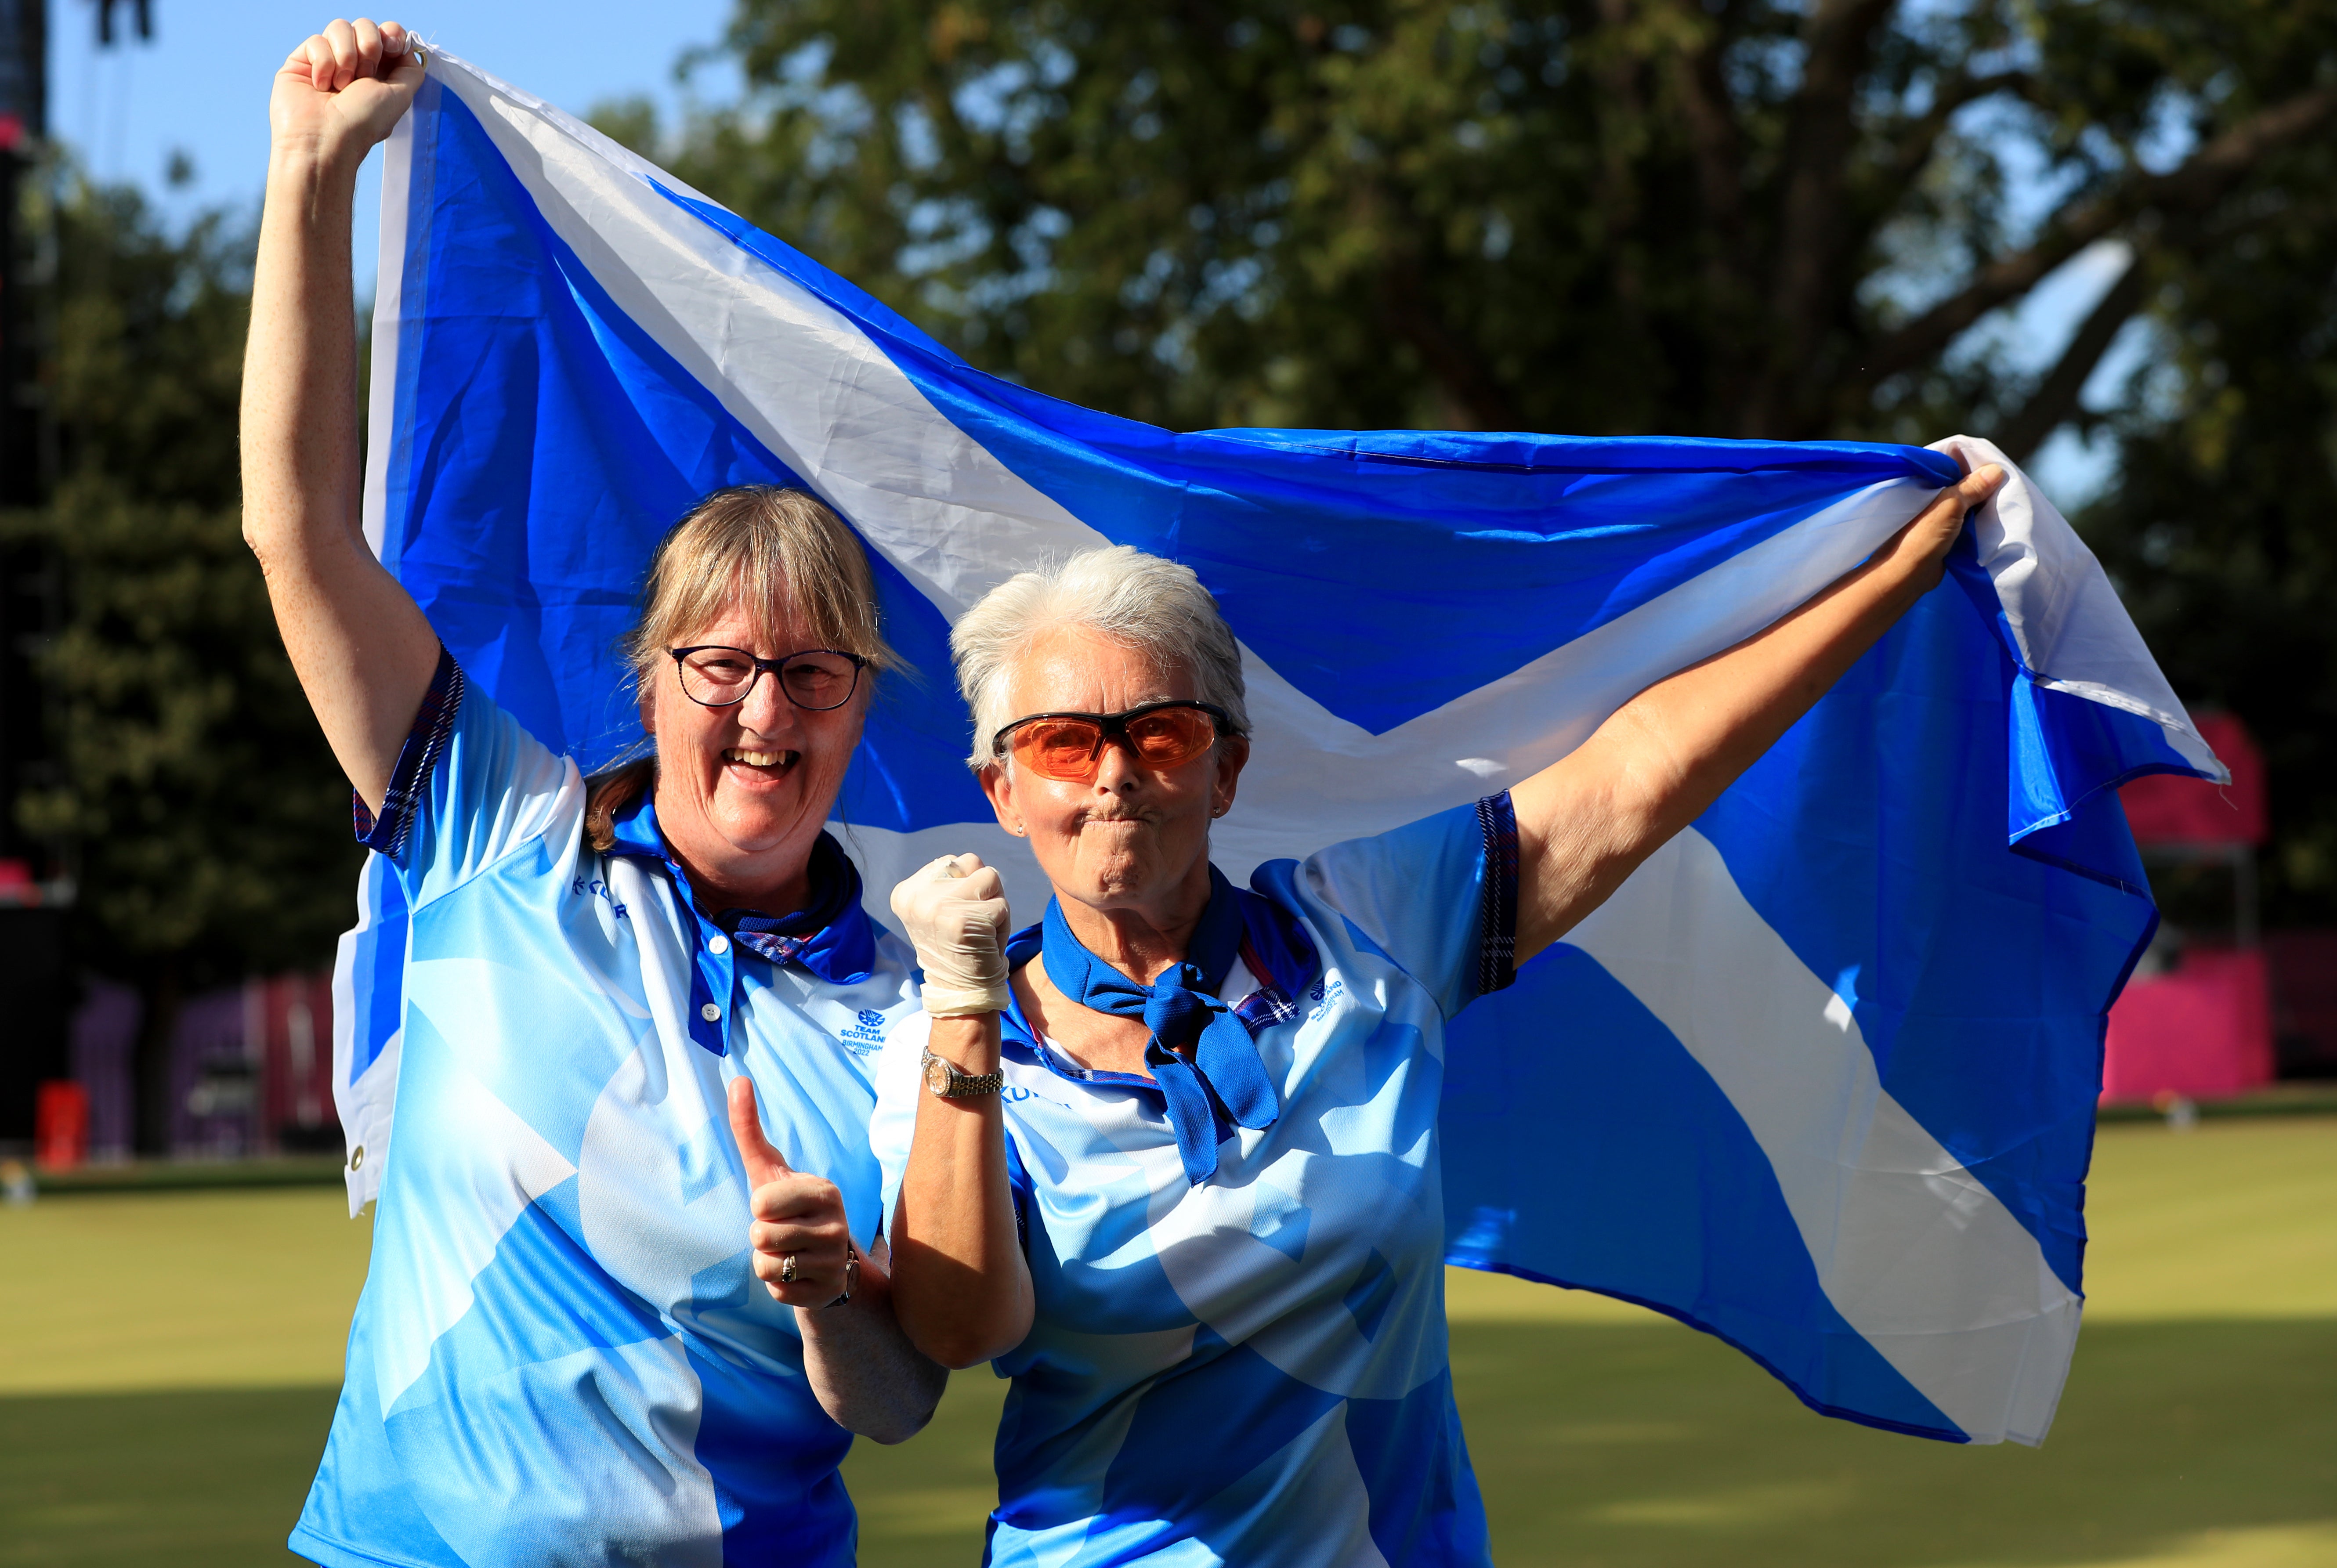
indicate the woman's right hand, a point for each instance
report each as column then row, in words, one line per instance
column 363, row 651
column 953, row 910
column 342, row 91
column 961, row 1285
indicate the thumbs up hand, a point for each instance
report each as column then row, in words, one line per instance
column 803, row 1244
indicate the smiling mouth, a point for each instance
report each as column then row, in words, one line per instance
column 776, row 761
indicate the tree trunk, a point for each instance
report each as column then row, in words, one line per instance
column 158, row 1020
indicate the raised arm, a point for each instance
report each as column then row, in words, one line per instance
column 1586, row 821
column 359, row 644
column 961, row 1284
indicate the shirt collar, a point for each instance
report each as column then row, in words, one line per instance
column 832, row 936
column 1274, row 947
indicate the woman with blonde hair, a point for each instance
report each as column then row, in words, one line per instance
column 563, row 1355
column 1169, row 1156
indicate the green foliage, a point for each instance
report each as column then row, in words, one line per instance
column 146, row 356
column 1737, row 218
column 206, row 815
column 2222, row 528
column 209, row 819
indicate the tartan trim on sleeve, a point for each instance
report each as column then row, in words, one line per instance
column 434, row 721
column 1497, row 920
column 1281, row 955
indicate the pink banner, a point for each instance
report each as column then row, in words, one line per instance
column 2203, row 1031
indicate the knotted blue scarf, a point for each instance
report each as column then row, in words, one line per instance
column 1181, row 1008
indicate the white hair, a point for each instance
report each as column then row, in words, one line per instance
column 1143, row 603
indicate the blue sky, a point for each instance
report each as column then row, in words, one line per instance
column 201, row 88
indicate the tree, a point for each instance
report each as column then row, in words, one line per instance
column 1700, row 217
column 2221, row 528
column 1735, row 218
column 207, row 819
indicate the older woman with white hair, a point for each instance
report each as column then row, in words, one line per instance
column 1169, row 1156
column 563, row 1356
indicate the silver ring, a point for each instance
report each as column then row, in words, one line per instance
column 788, row 1270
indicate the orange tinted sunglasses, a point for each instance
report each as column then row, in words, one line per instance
column 1068, row 746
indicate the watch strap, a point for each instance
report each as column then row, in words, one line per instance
column 958, row 1083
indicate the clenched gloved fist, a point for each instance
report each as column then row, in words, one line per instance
column 954, row 912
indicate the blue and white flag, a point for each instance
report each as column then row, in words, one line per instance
column 1819, row 1079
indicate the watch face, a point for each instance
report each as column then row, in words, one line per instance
column 937, row 1076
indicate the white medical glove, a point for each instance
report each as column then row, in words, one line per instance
column 954, row 912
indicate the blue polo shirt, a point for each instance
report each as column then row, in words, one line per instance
column 1250, row 1369
column 561, row 1356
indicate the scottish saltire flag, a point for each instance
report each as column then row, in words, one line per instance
column 1820, row 1079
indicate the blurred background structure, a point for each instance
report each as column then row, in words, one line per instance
column 2097, row 232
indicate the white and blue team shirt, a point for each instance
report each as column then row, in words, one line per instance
column 1252, row 1370
column 561, row 1356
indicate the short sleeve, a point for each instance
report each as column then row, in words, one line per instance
column 893, row 1125
column 471, row 785
column 1439, row 897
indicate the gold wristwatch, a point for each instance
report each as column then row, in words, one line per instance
column 948, row 1081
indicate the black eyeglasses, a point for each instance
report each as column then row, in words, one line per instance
column 1068, row 746
column 817, row 678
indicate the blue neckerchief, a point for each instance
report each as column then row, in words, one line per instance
column 1224, row 1071
column 832, row 936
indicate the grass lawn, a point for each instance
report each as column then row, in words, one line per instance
column 167, row 1364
